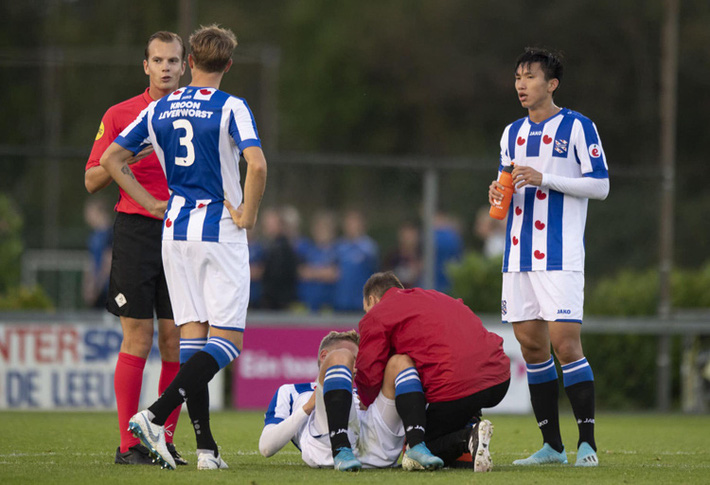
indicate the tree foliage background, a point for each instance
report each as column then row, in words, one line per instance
column 402, row 78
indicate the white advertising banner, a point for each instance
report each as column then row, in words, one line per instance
column 49, row 366
column 517, row 400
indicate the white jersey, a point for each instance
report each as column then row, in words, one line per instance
column 198, row 135
column 287, row 399
column 545, row 228
column 375, row 442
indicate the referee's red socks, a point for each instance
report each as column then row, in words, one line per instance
column 127, row 381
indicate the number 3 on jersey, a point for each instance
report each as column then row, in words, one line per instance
column 185, row 141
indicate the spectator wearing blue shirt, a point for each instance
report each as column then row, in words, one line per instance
column 449, row 249
column 318, row 268
column 99, row 243
column 256, row 268
column 357, row 260
column 292, row 228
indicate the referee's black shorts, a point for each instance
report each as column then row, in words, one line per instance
column 137, row 287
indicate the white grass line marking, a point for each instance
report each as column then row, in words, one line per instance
column 59, row 453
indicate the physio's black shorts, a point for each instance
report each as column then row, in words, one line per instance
column 137, row 288
column 446, row 417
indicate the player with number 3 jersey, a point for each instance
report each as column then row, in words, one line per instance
column 198, row 133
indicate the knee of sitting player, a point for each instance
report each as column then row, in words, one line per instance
column 339, row 357
column 398, row 362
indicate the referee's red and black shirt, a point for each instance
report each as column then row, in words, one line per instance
column 147, row 171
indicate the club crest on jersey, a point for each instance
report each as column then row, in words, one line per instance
column 561, row 146
column 175, row 95
column 595, row 151
column 204, row 94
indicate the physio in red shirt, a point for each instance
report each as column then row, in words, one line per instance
column 461, row 365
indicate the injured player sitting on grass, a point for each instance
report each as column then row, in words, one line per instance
column 324, row 419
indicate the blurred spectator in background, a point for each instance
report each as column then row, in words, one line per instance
column 449, row 249
column 357, row 260
column 292, row 228
column 406, row 259
column 491, row 232
column 256, row 266
column 95, row 282
column 318, row 268
column 279, row 275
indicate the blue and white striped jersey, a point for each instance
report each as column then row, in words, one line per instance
column 287, row 399
column 545, row 228
column 198, row 135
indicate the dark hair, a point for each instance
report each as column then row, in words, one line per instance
column 379, row 283
column 550, row 62
column 167, row 37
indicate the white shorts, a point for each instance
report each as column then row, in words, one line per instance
column 208, row 282
column 376, row 434
column 553, row 296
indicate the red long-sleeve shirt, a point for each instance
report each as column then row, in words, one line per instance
column 452, row 351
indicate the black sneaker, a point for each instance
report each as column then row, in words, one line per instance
column 136, row 455
column 179, row 460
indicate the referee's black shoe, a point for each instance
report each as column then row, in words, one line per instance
column 179, row 460
column 136, row 455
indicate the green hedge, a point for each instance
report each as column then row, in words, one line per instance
column 632, row 293
column 12, row 296
column 20, row 298
column 477, row 280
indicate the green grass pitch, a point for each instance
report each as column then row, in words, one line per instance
column 78, row 448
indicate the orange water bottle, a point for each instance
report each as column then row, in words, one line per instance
column 500, row 209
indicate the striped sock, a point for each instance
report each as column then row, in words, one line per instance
column 194, row 375
column 338, row 398
column 541, row 373
column 544, row 395
column 411, row 405
column 407, row 381
column 190, row 346
column 575, row 372
column 338, row 377
column 578, row 379
column 222, row 350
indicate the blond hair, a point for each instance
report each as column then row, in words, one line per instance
column 334, row 337
column 211, row 47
